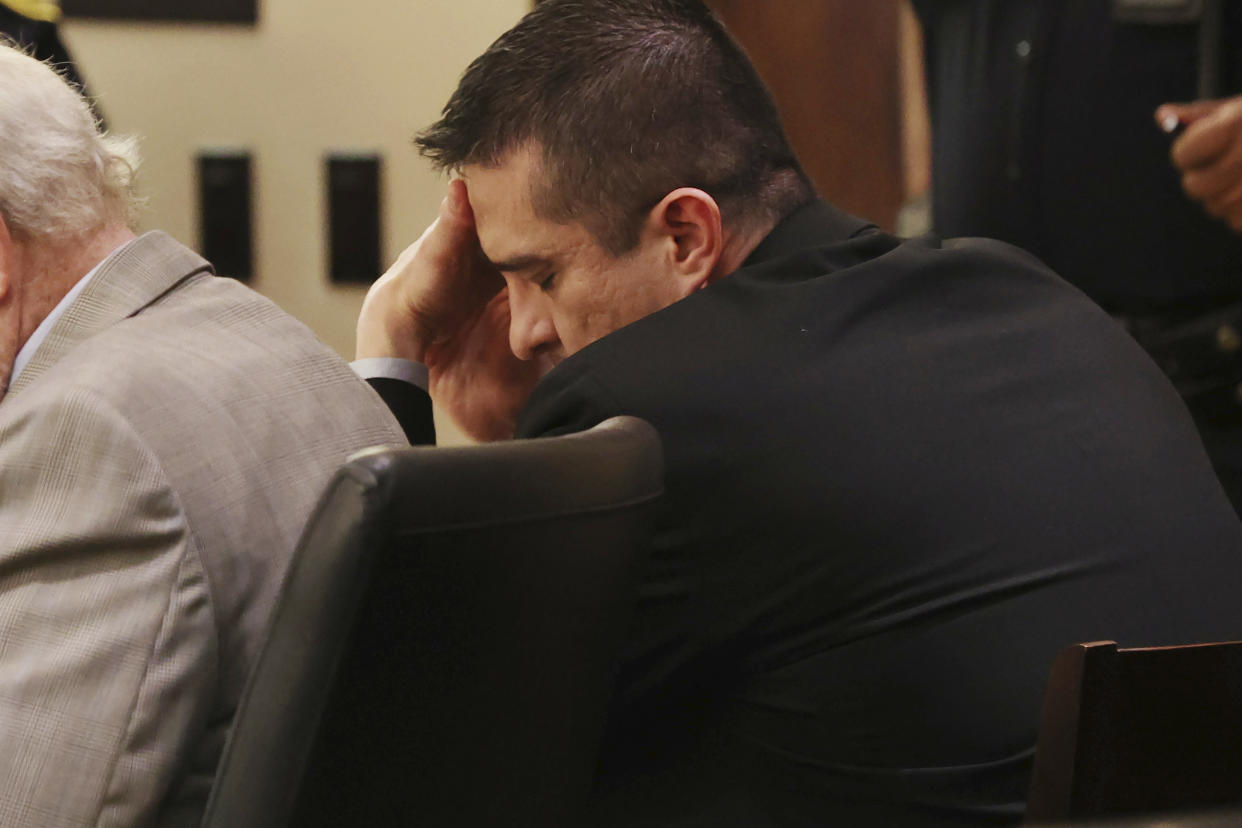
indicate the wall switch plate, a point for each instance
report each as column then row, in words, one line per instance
column 226, row 236
column 354, row 182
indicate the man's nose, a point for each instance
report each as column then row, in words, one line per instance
column 530, row 327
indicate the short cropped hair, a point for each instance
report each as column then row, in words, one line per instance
column 627, row 100
column 60, row 176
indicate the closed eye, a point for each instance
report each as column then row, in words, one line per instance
column 546, row 283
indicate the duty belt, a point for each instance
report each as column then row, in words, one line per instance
column 1201, row 354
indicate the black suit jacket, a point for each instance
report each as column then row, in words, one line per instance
column 900, row 477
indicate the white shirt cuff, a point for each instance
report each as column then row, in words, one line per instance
column 415, row 373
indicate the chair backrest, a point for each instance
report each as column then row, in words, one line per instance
column 1139, row 730
column 444, row 645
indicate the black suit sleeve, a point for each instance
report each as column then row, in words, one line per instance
column 411, row 406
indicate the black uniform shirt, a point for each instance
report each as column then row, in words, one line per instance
column 1044, row 137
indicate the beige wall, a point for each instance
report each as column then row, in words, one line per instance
column 313, row 76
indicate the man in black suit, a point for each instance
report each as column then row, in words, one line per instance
column 901, row 475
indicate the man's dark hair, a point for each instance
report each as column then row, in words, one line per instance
column 628, row 100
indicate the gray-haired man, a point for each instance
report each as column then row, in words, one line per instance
column 163, row 436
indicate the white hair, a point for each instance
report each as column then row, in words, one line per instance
column 61, row 176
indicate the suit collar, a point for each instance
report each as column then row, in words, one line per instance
column 815, row 223
column 126, row 283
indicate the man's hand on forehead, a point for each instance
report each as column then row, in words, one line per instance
column 442, row 304
column 435, row 286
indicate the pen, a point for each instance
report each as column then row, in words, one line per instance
column 1171, row 124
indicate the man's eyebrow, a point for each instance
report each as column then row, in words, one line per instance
column 524, row 261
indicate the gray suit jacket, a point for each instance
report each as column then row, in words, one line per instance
column 158, row 458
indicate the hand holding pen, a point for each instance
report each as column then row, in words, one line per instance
column 1208, row 152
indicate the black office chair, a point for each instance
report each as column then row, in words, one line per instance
column 1128, row 731
column 443, row 648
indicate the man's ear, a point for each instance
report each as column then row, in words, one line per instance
column 689, row 219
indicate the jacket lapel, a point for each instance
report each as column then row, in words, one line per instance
column 128, row 282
